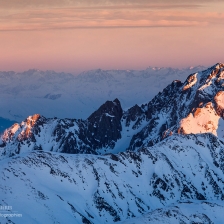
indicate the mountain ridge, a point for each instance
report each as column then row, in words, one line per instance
column 197, row 103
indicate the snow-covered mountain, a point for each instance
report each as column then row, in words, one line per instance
column 67, row 96
column 159, row 162
column 49, row 187
column 194, row 106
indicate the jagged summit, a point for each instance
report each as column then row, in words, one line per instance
column 206, row 89
column 110, row 108
column 194, row 106
column 103, row 127
column 219, row 65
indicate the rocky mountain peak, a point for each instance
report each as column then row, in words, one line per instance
column 207, row 102
column 103, row 127
column 219, row 65
column 26, row 130
column 195, row 106
column 109, row 108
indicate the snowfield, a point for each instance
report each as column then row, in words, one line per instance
column 48, row 187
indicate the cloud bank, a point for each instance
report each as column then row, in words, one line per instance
column 65, row 14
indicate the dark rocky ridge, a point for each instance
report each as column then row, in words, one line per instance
column 141, row 126
column 103, row 127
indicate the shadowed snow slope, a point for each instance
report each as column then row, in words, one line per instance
column 49, row 187
column 203, row 212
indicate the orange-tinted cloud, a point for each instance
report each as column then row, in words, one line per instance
column 105, row 17
column 53, row 3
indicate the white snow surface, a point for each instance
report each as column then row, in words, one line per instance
column 50, row 187
column 184, row 212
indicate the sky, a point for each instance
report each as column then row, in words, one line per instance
column 75, row 36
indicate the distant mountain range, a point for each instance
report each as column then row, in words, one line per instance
column 65, row 95
column 157, row 162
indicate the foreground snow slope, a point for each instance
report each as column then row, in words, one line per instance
column 49, row 187
column 203, row 212
column 67, row 96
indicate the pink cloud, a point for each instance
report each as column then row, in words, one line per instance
column 105, row 18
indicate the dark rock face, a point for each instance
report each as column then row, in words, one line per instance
column 135, row 114
column 103, row 127
column 164, row 99
column 159, row 104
